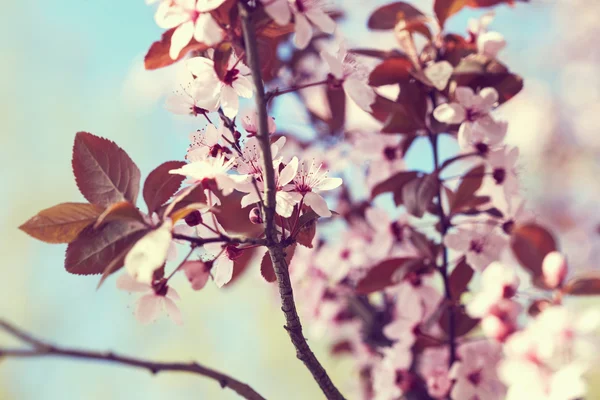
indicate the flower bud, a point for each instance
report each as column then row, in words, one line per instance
column 554, row 268
column 255, row 216
column 194, row 218
column 197, row 273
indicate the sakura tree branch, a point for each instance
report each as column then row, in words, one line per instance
column 444, row 267
column 221, row 238
column 40, row 348
column 276, row 248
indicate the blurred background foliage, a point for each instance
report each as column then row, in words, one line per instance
column 72, row 65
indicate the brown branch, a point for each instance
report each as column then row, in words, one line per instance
column 43, row 349
column 276, row 249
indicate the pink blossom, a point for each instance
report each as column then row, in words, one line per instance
column 250, row 123
column 305, row 12
column 309, row 182
column 285, row 201
column 488, row 43
column 157, row 298
column 223, row 254
column 554, row 268
column 225, row 92
column 250, row 162
column 504, row 171
column 207, row 144
column 339, row 259
column 389, row 234
column 498, row 282
column 344, row 67
column 384, row 154
column 149, row 253
column 186, row 101
column 391, row 377
column 481, row 244
column 191, row 20
column 475, row 373
column 433, row 367
column 212, row 170
column 472, row 112
column 439, row 74
column 197, row 273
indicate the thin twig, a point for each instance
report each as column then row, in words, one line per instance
column 276, row 248
column 218, row 239
column 43, row 349
column 278, row 92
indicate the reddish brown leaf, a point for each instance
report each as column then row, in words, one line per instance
column 235, row 219
column 160, row 185
column 530, row 243
column 388, row 16
column 241, row 264
column 103, row 171
column 122, row 210
column 391, row 71
column 158, row 54
column 187, row 197
column 444, row 9
column 336, row 98
column 266, row 268
column 61, row 223
column 306, row 234
column 426, row 247
column 583, row 286
column 394, row 183
column 490, row 3
column 221, row 56
column 459, row 279
column 95, row 249
column 381, row 54
column 471, row 182
column 418, row 194
column 380, row 276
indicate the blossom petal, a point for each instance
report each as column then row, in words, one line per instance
column 127, row 283
column 243, row 86
column 181, row 37
column 465, row 96
column 148, row 308
column 490, row 43
column 329, row 184
column 250, row 198
column 285, row 202
column 321, row 19
column 289, row 172
column 201, row 66
column 223, row 270
column 439, row 73
column 303, row 31
column 335, row 65
column 179, row 104
column 207, row 30
column 361, row 93
column 208, row 5
column 489, row 97
column 149, row 253
column 229, row 101
column 173, row 311
column 317, row 203
column 450, row 113
column 279, row 11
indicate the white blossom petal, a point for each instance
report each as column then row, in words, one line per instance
column 317, row 203
column 450, row 113
column 181, row 38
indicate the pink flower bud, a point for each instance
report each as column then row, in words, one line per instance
column 495, row 328
column 255, row 216
column 197, row 273
column 554, row 268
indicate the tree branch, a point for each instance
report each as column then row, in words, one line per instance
column 276, row 249
column 43, row 349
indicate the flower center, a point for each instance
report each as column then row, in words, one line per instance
column 390, row 153
column 230, row 76
column 345, row 254
column 476, row 246
column 499, row 175
column 475, row 378
column 397, row 231
column 300, row 6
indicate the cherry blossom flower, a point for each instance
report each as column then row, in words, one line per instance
column 207, row 144
column 498, row 282
column 554, row 268
column 285, row 201
column 472, row 112
column 481, row 244
column 250, row 123
column 223, row 254
column 439, row 74
column 226, row 92
column 250, row 162
column 433, row 367
column 338, row 259
column 308, row 182
column 186, row 101
column 191, row 20
column 305, row 12
column 212, row 171
column 475, row 373
column 149, row 253
column 345, row 68
column 504, row 170
column 384, row 153
column 197, row 272
column 388, row 234
column 157, row 298
column 488, row 43
column 390, row 376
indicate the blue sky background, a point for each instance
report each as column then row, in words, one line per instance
column 66, row 66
